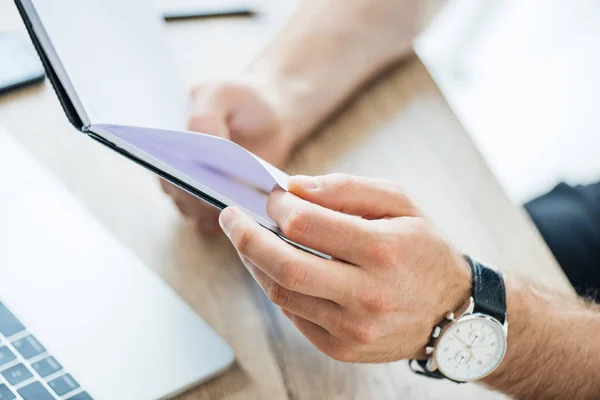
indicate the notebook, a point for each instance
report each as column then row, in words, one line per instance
column 112, row 70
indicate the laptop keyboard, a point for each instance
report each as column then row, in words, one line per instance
column 27, row 371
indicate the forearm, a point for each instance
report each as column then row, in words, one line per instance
column 327, row 50
column 553, row 347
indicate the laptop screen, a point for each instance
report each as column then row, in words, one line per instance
column 116, row 56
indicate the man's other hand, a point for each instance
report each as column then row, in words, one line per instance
column 240, row 112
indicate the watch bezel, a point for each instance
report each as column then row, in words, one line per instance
column 460, row 320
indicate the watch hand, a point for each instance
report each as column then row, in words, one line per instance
column 474, row 339
column 462, row 341
column 459, row 361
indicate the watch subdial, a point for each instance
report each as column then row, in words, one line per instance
column 463, row 357
column 477, row 337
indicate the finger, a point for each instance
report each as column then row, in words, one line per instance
column 369, row 198
column 345, row 237
column 204, row 215
column 313, row 332
column 293, row 269
column 166, row 186
column 324, row 313
column 321, row 339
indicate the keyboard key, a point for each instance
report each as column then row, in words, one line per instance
column 63, row 384
column 6, row 356
column 81, row 396
column 46, row 366
column 9, row 325
column 5, row 393
column 28, row 346
column 35, row 391
column 17, row 374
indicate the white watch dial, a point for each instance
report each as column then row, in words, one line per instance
column 471, row 348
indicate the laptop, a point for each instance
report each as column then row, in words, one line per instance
column 80, row 316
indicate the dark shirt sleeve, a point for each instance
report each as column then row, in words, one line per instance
column 568, row 217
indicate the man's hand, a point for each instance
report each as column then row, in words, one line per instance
column 239, row 112
column 392, row 279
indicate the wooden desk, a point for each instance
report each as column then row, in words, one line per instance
column 400, row 128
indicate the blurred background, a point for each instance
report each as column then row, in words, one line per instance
column 522, row 76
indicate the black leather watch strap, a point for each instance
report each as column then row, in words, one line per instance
column 419, row 367
column 489, row 296
column 489, row 293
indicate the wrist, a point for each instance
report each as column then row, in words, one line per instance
column 540, row 323
column 459, row 289
column 552, row 346
column 533, row 315
column 283, row 93
column 317, row 62
column 470, row 342
column 453, row 298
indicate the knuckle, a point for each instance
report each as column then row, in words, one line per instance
column 381, row 252
column 295, row 224
column 346, row 184
column 292, row 275
column 375, row 303
column 242, row 238
column 410, row 208
column 362, row 332
column 278, row 294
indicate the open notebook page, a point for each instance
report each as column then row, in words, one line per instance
column 215, row 166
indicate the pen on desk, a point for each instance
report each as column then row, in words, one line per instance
column 174, row 15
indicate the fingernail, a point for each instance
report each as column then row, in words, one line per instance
column 225, row 220
column 307, row 182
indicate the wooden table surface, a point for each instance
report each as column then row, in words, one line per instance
column 400, row 128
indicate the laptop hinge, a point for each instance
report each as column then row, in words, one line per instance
column 63, row 97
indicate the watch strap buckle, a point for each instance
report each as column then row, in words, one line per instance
column 419, row 367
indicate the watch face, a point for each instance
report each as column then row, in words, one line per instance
column 471, row 348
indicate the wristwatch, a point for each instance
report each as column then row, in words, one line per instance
column 470, row 343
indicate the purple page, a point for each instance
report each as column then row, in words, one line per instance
column 215, row 166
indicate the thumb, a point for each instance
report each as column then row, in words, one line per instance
column 369, row 198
